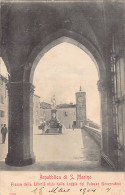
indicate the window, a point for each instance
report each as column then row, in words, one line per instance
column 1, row 113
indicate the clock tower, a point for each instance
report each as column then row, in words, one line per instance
column 80, row 108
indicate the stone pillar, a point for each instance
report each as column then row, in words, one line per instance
column 104, row 119
column 107, row 145
column 20, row 135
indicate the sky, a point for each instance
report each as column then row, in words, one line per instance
column 61, row 72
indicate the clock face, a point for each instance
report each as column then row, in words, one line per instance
column 80, row 99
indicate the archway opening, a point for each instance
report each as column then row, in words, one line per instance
column 61, row 70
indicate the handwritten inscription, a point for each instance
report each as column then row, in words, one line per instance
column 39, row 191
column 85, row 190
column 64, row 190
column 54, row 190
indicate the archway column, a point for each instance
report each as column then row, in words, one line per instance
column 109, row 143
column 104, row 120
column 20, row 135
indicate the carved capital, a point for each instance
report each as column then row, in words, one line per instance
column 14, row 88
column 20, row 88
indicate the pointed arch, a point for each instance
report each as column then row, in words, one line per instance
column 57, row 38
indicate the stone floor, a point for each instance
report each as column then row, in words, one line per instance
column 74, row 150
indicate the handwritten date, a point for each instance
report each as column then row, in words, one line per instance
column 57, row 189
column 85, row 190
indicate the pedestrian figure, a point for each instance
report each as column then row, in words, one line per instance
column 60, row 128
column 4, row 132
column 43, row 126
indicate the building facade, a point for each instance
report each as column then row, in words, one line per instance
column 36, row 110
column 67, row 116
column 3, row 101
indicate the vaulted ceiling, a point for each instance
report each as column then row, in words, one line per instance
column 26, row 24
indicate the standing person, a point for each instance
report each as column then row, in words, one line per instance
column 1, row 128
column 43, row 126
column 60, row 128
column 4, row 132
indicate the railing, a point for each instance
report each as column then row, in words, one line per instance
column 95, row 133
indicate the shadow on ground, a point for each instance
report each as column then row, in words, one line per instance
column 57, row 166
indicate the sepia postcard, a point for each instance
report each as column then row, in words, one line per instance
column 62, row 97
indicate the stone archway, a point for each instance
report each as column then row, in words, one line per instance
column 22, row 148
column 57, row 38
